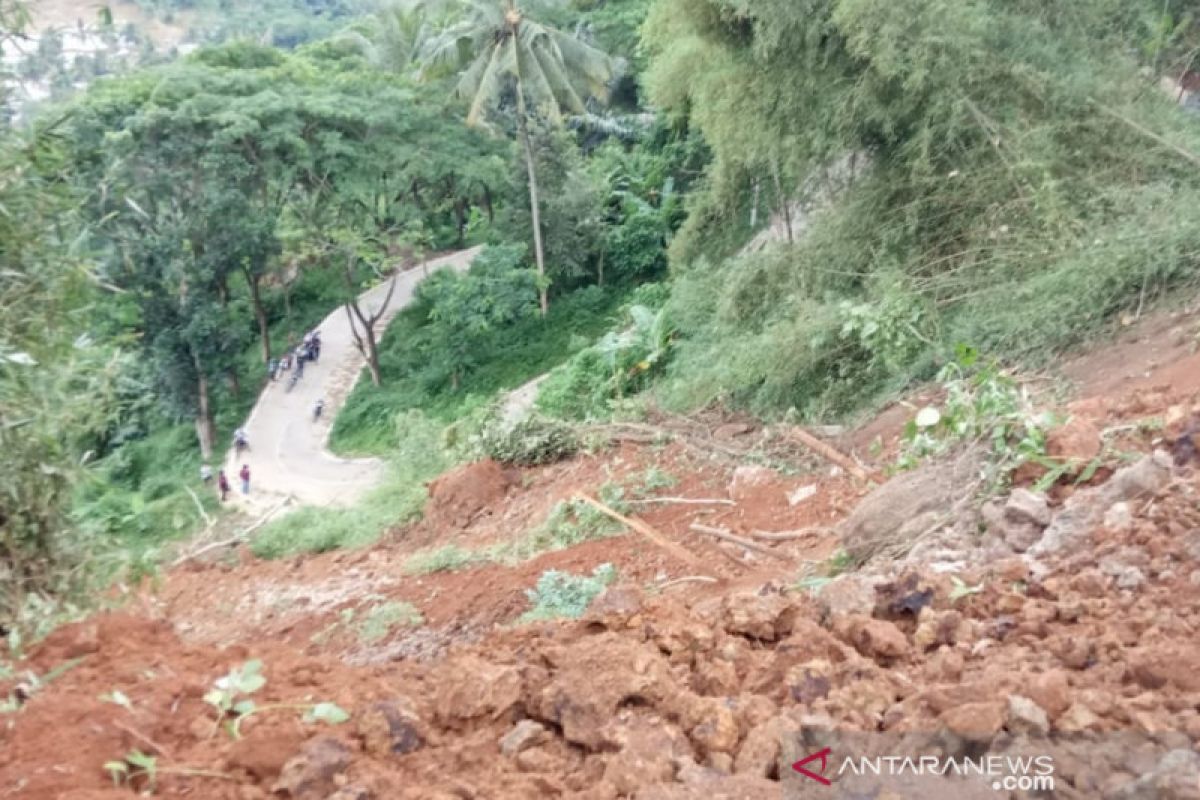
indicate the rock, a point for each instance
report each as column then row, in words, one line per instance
column 759, row 753
column 1141, row 478
column 1172, row 663
column 1119, row 517
column 1071, row 527
column 263, row 755
column 525, row 734
column 874, row 638
column 975, row 722
column 1024, row 505
column 1051, row 691
column 749, row 477
column 801, row 493
column 538, row 759
column 1076, row 652
column 616, row 604
column 717, row 730
column 352, row 793
column 1176, row 777
column 758, row 615
column 471, row 688
column 849, row 593
column 1026, row 717
column 1077, row 441
column 906, row 506
column 311, row 774
column 593, row 677
column 810, row 681
column 650, row 752
column 1017, row 523
column 1078, row 719
column 390, row 728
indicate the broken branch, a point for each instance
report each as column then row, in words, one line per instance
column 788, row 536
column 644, row 529
column 698, row 501
column 740, row 541
column 829, row 453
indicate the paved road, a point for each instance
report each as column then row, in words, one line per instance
column 288, row 451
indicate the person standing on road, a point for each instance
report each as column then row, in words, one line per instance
column 223, row 485
column 245, row 476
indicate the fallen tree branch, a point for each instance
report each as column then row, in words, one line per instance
column 208, row 522
column 645, row 530
column 788, row 536
column 688, row 579
column 1142, row 129
column 697, row 501
column 740, row 541
column 241, row 536
column 829, row 453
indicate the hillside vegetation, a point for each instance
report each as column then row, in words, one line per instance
column 936, row 174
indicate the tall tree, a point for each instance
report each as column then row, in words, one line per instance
column 515, row 63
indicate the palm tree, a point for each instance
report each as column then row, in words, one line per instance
column 393, row 38
column 508, row 57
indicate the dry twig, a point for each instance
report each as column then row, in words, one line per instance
column 740, row 541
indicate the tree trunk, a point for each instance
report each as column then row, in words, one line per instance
column 260, row 314
column 204, row 420
column 487, row 205
column 460, row 219
column 235, row 382
column 784, row 200
column 539, row 256
column 600, row 267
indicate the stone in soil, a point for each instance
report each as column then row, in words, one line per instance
column 311, row 774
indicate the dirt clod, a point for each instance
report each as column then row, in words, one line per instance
column 310, row 775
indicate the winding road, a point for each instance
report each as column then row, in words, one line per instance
column 289, row 455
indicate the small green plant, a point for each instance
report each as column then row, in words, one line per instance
column 655, row 480
column 117, row 698
column 961, row 589
column 448, row 558
column 561, row 594
column 572, row 522
column 138, row 767
column 983, row 404
column 230, row 696
column 381, row 619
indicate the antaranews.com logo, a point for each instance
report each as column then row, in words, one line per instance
column 1004, row 772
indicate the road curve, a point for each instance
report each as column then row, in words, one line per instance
column 288, row 453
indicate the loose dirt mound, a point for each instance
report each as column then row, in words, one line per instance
column 1066, row 627
column 459, row 496
column 668, row 696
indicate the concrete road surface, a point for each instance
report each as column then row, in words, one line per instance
column 288, row 453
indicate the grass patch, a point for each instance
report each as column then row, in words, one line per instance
column 444, row 559
column 381, row 619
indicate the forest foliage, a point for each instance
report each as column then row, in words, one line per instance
column 918, row 175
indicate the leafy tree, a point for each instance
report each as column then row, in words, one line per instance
column 55, row 386
column 467, row 309
column 520, row 65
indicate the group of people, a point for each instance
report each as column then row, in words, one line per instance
column 223, row 487
column 308, row 350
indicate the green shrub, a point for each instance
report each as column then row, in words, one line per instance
column 531, row 441
column 561, row 594
column 448, row 558
column 637, row 248
column 621, row 363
